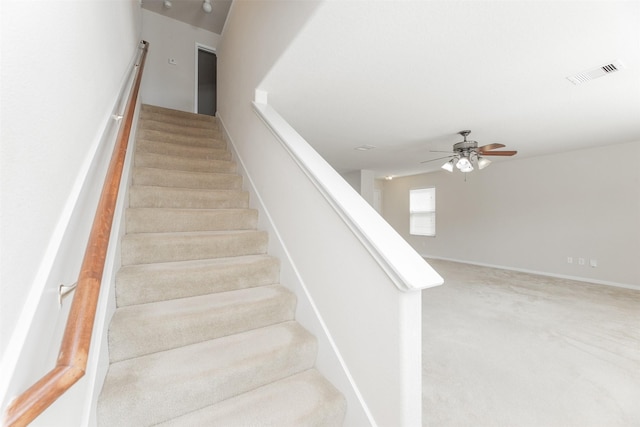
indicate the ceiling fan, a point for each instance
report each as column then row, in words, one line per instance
column 467, row 153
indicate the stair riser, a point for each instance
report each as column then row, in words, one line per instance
column 176, row 323
column 179, row 150
column 162, row 386
column 167, row 220
column 194, row 141
column 180, row 179
column 305, row 399
column 140, row 285
column 161, row 161
column 150, row 248
column 181, row 128
column 184, row 115
column 165, row 197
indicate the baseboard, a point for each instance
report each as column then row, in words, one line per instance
column 98, row 362
column 539, row 273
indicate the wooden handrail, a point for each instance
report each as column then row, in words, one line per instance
column 74, row 350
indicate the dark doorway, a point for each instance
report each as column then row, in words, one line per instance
column 207, row 76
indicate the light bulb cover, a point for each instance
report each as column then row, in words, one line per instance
column 206, row 6
column 167, row 4
column 449, row 165
column 464, row 163
column 483, row 162
column 466, row 168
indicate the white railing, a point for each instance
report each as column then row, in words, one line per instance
column 403, row 264
column 358, row 282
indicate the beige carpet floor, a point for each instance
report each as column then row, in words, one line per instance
column 503, row 348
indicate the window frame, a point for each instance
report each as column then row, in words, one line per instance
column 429, row 211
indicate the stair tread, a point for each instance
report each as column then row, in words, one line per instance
column 157, row 387
column 181, row 150
column 215, row 191
column 193, row 198
column 155, row 123
column 213, row 141
column 183, row 158
column 184, row 163
column 146, row 248
column 205, row 233
column 141, row 283
column 194, row 263
column 180, row 113
column 180, row 172
column 199, row 210
column 185, row 179
column 182, row 219
column 157, row 118
column 173, row 323
column 191, row 121
column 303, row 399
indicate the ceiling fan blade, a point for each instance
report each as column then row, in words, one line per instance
column 437, row 151
column 433, row 160
column 488, row 147
column 499, row 153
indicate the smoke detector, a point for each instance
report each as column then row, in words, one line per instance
column 594, row 73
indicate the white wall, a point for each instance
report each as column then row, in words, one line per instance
column 64, row 64
column 532, row 213
column 363, row 181
column 367, row 185
column 369, row 332
column 353, row 178
column 165, row 84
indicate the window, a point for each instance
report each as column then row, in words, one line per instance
column 422, row 212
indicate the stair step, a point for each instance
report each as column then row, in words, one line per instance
column 146, row 248
column 144, row 283
column 194, row 141
column 203, row 333
column 169, row 112
column 190, row 164
column 168, row 148
column 137, row 330
column 194, row 120
column 186, row 179
column 149, row 220
column 180, row 128
column 158, row 387
column 304, row 399
column 142, row 196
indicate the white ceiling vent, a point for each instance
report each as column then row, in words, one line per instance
column 365, row 147
column 594, row 73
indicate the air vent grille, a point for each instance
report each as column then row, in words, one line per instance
column 594, row 73
column 365, row 147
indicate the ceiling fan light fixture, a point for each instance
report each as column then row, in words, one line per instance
column 467, row 155
column 206, row 6
column 464, row 165
column 449, row 165
column 483, row 162
column 167, row 4
column 468, row 168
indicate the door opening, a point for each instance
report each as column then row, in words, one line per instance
column 207, row 77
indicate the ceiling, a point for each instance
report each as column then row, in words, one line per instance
column 406, row 76
column 191, row 12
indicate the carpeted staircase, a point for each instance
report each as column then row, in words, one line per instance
column 203, row 334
